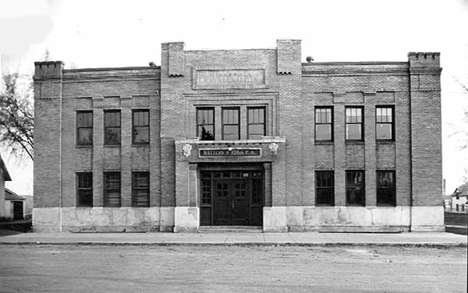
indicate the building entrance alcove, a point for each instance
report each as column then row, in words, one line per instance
column 231, row 195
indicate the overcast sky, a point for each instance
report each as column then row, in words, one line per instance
column 116, row 33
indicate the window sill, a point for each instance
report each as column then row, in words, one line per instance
column 84, row 146
column 355, row 142
column 139, row 145
column 112, row 145
column 385, row 142
column 319, row 142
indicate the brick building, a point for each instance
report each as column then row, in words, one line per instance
column 239, row 138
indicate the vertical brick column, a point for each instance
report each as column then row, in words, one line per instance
column 126, row 145
column 370, row 150
column 339, row 153
column 98, row 149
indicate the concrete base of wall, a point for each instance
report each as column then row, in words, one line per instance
column 100, row 219
column 275, row 219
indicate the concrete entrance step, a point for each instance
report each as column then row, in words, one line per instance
column 230, row 229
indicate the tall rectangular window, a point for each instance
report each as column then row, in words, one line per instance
column 323, row 124
column 112, row 127
column 354, row 123
column 384, row 123
column 256, row 122
column 205, row 124
column 355, row 188
column 112, row 189
column 140, row 189
column 84, row 127
column 231, row 125
column 386, row 195
column 324, row 188
column 140, row 127
column 84, row 189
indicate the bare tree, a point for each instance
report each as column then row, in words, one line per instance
column 17, row 117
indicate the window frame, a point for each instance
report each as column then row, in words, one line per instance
column 106, row 142
column 392, row 123
column 353, row 187
column 392, row 188
column 332, row 134
column 330, row 187
column 238, row 109
column 78, row 127
column 361, row 108
column 248, row 120
column 108, row 191
column 81, row 190
column 140, row 126
column 136, row 188
column 198, row 125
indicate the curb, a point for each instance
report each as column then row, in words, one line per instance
column 163, row 244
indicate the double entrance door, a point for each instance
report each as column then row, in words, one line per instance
column 231, row 198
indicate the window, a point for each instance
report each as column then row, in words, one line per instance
column 205, row 123
column 255, row 122
column 84, row 189
column 355, row 189
column 140, row 127
column 84, row 127
column 112, row 189
column 140, row 189
column 231, row 125
column 112, row 127
column 324, row 188
column 386, row 188
column 354, row 122
column 384, row 123
column 323, row 124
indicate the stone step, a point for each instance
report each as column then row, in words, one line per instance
column 230, row 229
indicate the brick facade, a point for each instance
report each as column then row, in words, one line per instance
column 288, row 153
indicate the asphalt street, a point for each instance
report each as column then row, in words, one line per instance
column 206, row 268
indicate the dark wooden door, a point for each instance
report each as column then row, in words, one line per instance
column 18, row 210
column 231, row 202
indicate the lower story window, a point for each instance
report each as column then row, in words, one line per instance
column 355, row 188
column 324, row 188
column 84, row 189
column 386, row 195
column 140, row 189
column 112, row 189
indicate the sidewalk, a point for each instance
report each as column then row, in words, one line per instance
column 300, row 239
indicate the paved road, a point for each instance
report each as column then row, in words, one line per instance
column 35, row 268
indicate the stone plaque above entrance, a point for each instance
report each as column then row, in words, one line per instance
column 229, row 79
column 228, row 152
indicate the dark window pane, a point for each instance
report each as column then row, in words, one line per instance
column 140, row 189
column 112, row 135
column 206, row 132
column 141, row 118
column 85, row 189
column 324, row 183
column 205, row 123
column 85, row 136
column 353, row 131
column 355, row 188
column 141, row 134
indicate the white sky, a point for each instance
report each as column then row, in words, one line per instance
column 104, row 33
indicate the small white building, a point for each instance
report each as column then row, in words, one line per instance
column 4, row 176
column 459, row 200
column 15, row 205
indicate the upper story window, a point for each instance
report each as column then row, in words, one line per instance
column 112, row 127
column 205, row 123
column 323, row 124
column 384, row 119
column 84, row 189
column 255, row 122
column 84, row 127
column 354, row 123
column 140, row 127
column 231, row 125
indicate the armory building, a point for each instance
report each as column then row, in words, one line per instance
column 239, row 138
